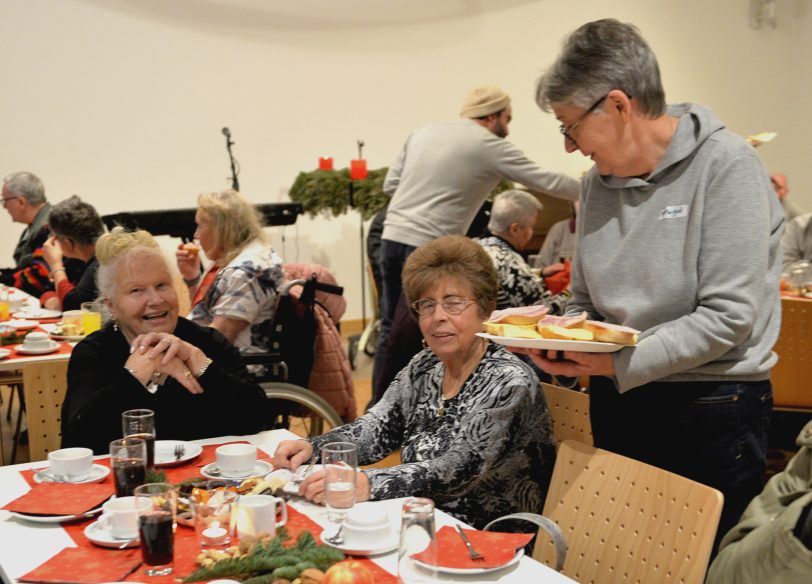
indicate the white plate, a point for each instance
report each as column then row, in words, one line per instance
column 554, row 344
column 385, row 545
column 4, row 353
column 261, row 469
column 21, row 324
column 57, row 337
column 165, row 452
column 55, row 518
column 41, row 313
column 96, row 475
column 102, row 537
column 23, row 350
column 471, row 571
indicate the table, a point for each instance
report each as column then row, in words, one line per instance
column 27, row 545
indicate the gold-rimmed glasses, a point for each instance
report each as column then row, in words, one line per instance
column 451, row 305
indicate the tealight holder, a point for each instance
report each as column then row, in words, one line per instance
column 213, row 512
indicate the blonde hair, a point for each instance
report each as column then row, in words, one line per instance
column 457, row 257
column 118, row 246
column 235, row 222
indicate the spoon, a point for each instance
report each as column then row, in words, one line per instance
column 337, row 538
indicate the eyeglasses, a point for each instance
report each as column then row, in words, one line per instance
column 7, row 199
column 451, row 305
column 567, row 132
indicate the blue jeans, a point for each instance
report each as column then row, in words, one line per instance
column 711, row 432
column 393, row 255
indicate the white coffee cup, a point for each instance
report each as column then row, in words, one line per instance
column 366, row 526
column 236, row 460
column 120, row 517
column 257, row 514
column 71, row 464
column 37, row 340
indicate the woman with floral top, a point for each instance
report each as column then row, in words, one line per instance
column 474, row 430
column 237, row 293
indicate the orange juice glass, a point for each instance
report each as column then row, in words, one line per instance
column 91, row 318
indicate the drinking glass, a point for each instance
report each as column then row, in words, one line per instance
column 141, row 424
column 340, row 461
column 156, row 520
column 128, row 460
column 91, row 317
column 214, row 512
column 417, row 537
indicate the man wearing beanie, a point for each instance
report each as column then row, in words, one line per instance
column 440, row 179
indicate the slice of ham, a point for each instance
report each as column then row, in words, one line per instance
column 576, row 321
column 519, row 314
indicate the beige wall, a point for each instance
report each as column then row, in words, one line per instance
column 122, row 101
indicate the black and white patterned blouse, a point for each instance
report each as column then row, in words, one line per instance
column 490, row 454
column 518, row 285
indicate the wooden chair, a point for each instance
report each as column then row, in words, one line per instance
column 570, row 411
column 44, row 386
column 626, row 521
column 792, row 374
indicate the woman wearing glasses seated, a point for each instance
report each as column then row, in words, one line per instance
column 474, row 429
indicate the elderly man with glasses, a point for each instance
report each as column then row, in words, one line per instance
column 24, row 200
column 678, row 236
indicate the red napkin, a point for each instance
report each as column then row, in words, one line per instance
column 86, row 565
column 61, row 499
column 497, row 548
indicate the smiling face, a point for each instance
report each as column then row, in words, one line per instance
column 451, row 336
column 144, row 299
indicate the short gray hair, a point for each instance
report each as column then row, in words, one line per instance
column 26, row 185
column 598, row 57
column 122, row 247
column 513, row 206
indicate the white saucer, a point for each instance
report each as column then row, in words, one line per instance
column 4, row 353
column 471, row 571
column 57, row 337
column 42, row 313
column 21, row 324
column 260, row 469
column 23, row 350
column 165, row 452
column 384, row 545
column 102, row 537
column 96, row 475
column 55, row 518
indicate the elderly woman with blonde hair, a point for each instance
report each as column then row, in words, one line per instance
column 474, row 430
column 237, row 292
column 149, row 357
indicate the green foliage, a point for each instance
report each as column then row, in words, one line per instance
column 155, row 476
column 328, row 192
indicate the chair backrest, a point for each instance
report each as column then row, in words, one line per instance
column 626, row 521
column 44, row 385
column 570, row 411
column 790, row 376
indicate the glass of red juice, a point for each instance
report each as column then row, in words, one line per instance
column 156, row 521
column 141, row 424
column 128, row 461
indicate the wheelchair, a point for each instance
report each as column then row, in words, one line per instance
column 284, row 371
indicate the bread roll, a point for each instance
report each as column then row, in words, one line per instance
column 565, row 334
column 511, row 330
column 612, row 333
column 190, row 248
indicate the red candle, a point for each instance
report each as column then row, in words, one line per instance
column 326, row 163
column 358, row 169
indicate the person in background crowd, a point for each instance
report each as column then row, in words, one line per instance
column 513, row 216
column 148, row 357
column 697, row 274
column 439, row 181
column 24, row 200
column 474, row 428
column 558, row 246
column 237, row 292
column 75, row 226
column 797, row 241
column 772, row 543
column 781, row 186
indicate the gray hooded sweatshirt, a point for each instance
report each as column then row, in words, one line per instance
column 688, row 255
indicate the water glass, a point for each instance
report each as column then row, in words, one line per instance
column 128, row 461
column 214, row 513
column 141, row 424
column 417, row 537
column 157, row 505
column 340, row 460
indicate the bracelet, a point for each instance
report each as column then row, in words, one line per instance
column 55, row 270
column 203, row 369
column 193, row 282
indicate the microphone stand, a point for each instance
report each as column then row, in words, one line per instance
column 235, row 184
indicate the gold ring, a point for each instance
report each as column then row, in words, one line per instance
column 188, row 374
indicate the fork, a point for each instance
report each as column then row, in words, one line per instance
column 472, row 553
column 179, row 451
